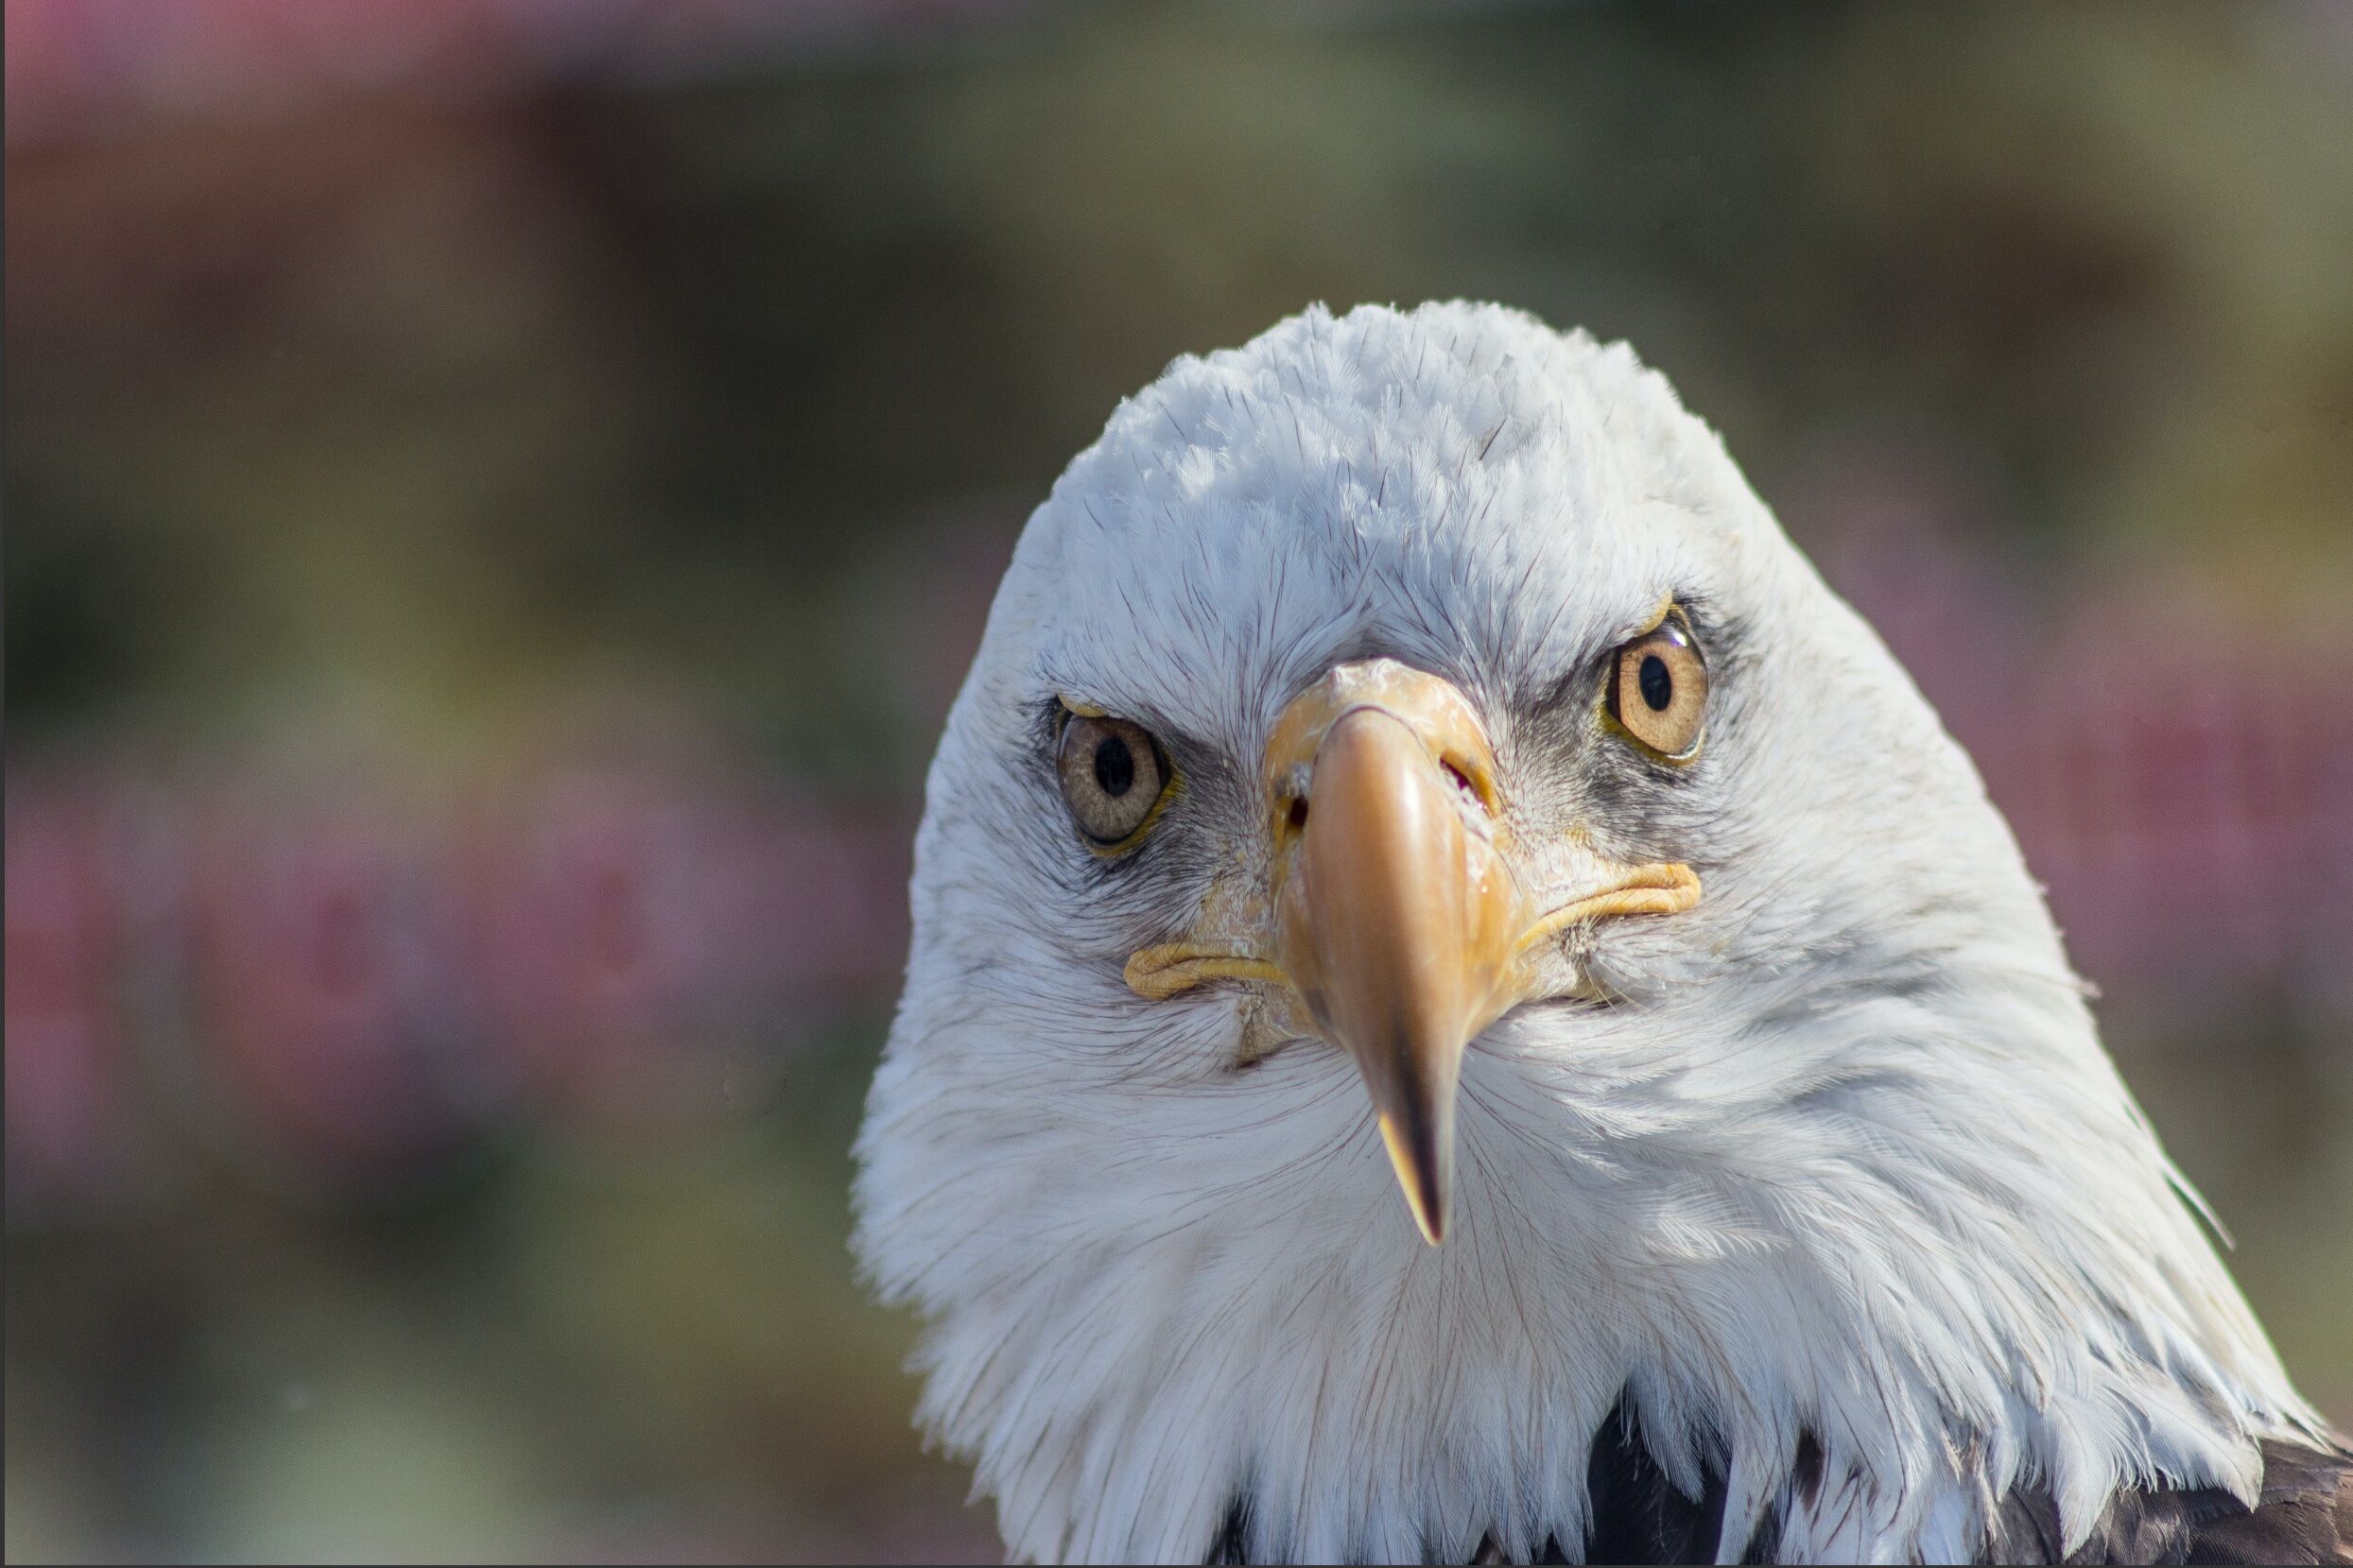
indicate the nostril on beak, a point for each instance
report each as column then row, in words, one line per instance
column 1467, row 779
column 1297, row 814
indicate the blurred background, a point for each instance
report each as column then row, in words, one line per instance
column 501, row 493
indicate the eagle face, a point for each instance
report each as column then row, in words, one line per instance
column 1406, row 762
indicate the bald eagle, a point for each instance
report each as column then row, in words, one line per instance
column 1405, row 754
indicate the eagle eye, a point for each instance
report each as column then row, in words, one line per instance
column 1112, row 776
column 1657, row 690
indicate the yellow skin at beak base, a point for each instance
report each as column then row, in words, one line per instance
column 1397, row 923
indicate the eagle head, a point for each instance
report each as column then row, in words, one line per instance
column 1440, row 940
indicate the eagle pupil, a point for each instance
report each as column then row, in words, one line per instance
column 1658, row 687
column 1114, row 766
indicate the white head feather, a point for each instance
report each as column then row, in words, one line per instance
column 1850, row 1161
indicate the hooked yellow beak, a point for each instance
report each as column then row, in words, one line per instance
column 1397, row 917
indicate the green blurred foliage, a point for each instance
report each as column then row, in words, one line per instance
column 433, row 434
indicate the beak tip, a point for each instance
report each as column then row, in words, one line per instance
column 1420, row 1171
column 1426, row 1196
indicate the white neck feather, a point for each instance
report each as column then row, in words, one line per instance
column 1853, row 1168
column 1956, row 1261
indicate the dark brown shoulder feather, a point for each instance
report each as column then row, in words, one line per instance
column 2306, row 1515
column 1637, row 1515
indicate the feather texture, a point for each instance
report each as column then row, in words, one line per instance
column 1836, row 1212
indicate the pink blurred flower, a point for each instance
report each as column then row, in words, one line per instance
column 67, row 1052
column 649, row 945
column 321, row 986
